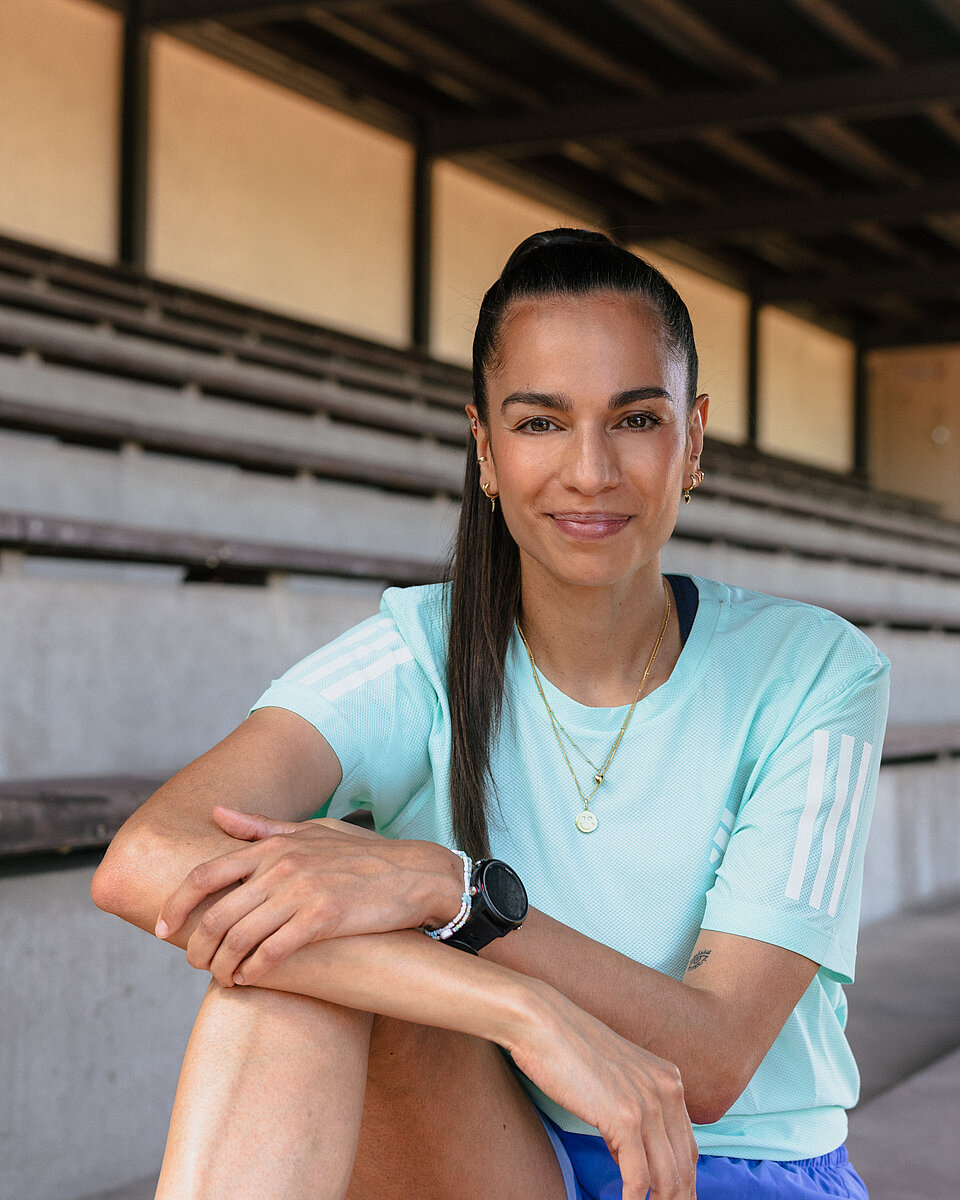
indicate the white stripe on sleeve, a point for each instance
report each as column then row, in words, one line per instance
column 351, row 682
column 851, row 828
column 828, row 844
column 367, row 629
column 333, row 665
column 808, row 818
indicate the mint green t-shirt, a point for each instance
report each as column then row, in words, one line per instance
column 739, row 800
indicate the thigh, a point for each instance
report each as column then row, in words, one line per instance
column 444, row 1117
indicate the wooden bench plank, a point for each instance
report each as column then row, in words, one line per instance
column 139, row 358
column 68, row 404
column 128, row 543
column 811, row 534
column 907, row 743
column 45, row 269
column 52, row 815
column 324, row 364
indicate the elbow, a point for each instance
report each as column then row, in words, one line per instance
column 706, row 1112
column 117, row 886
column 709, row 1099
column 105, row 889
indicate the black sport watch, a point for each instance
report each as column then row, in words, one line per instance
column 499, row 905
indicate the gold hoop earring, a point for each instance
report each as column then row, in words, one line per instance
column 482, row 458
column 695, row 480
column 485, row 488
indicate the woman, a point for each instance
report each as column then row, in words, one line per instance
column 680, row 772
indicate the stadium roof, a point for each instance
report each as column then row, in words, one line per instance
column 807, row 151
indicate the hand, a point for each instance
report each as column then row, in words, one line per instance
column 633, row 1098
column 302, row 882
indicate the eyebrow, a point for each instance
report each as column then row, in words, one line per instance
column 560, row 402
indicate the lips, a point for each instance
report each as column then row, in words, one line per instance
column 589, row 526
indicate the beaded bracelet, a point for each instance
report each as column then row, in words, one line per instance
column 466, row 903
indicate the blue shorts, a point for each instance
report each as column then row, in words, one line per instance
column 590, row 1173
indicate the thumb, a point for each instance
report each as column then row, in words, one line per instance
column 249, row 827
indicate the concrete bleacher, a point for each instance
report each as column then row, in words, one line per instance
column 194, row 494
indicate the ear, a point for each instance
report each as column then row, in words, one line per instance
column 696, row 424
column 482, row 442
column 471, row 411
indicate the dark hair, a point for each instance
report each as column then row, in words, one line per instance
column 485, row 589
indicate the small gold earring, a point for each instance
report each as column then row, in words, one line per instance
column 485, row 488
column 695, row 480
column 482, row 458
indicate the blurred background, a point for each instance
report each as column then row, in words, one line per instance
column 242, row 247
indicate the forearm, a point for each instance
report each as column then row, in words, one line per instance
column 148, row 858
column 410, row 977
column 274, row 763
column 687, row 1025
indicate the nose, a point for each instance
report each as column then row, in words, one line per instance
column 590, row 464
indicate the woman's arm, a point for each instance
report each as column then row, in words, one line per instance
column 307, row 885
column 634, row 1098
column 716, row 1025
column 275, row 763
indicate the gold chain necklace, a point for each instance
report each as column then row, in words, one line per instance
column 586, row 821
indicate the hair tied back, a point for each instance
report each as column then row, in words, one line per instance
column 550, row 238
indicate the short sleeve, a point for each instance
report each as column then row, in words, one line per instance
column 371, row 700
column 792, row 871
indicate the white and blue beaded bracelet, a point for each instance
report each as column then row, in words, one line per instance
column 466, row 903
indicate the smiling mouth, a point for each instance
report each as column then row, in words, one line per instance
column 589, row 526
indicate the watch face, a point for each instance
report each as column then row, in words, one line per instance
column 504, row 891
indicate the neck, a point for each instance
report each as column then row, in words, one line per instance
column 594, row 643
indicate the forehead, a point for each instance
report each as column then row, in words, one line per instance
column 602, row 340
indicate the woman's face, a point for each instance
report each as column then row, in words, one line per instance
column 588, row 443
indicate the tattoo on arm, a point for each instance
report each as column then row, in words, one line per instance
column 698, row 960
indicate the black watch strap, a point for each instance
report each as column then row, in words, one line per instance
column 498, row 906
column 478, row 932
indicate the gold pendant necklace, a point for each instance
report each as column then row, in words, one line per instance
column 586, row 821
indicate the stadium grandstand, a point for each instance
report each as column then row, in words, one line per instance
column 242, row 246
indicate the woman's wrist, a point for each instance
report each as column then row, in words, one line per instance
column 524, row 1007
column 441, row 884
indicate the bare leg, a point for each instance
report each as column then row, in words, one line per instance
column 445, row 1118
column 277, row 1090
column 269, row 1101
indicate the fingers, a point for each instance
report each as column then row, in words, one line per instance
column 291, row 936
column 651, row 1146
column 249, row 827
column 227, row 930
column 203, row 881
column 256, row 942
column 634, row 1171
column 669, row 1175
column 678, row 1141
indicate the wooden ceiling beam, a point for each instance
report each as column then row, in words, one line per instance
column 840, row 26
column 434, row 54
column 156, row 13
column 949, row 10
column 941, row 332
column 857, row 286
column 848, row 94
column 804, row 215
column 693, row 39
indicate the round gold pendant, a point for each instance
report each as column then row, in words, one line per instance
column 586, row 821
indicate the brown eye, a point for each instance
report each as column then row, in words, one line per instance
column 640, row 421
